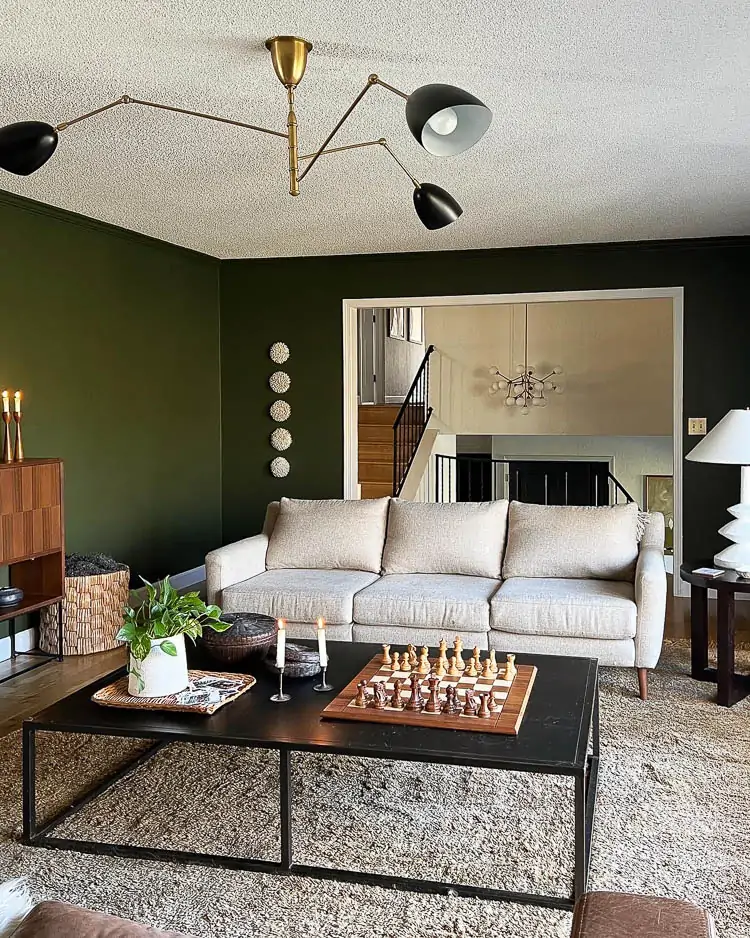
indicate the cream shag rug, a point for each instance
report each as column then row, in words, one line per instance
column 673, row 818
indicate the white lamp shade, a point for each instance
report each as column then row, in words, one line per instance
column 728, row 442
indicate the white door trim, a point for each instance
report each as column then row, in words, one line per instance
column 676, row 294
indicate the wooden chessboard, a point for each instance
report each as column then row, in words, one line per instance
column 512, row 698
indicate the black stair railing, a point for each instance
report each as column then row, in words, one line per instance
column 411, row 421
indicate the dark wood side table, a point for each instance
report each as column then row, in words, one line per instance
column 731, row 686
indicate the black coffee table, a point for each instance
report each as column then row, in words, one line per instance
column 559, row 736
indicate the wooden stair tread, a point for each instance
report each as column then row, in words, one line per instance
column 378, row 414
column 376, row 489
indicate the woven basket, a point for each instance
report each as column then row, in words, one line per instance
column 92, row 614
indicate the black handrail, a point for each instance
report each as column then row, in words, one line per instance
column 446, row 479
column 410, row 422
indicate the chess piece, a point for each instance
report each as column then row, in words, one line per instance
column 361, row 698
column 477, row 656
column 510, row 668
column 380, row 697
column 396, row 665
column 471, row 668
column 412, row 653
column 386, row 655
column 453, row 669
column 433, row 701
column 424, row 662
column 396, row 703
column 493, row 703
column 470, row 703
column 493, row 661
column 449, row 703
column 405, row 663
column 487, row 671
column 440, row 667
column 442, row 656
column 415, row 703
column 484, row 707
column 458, row 647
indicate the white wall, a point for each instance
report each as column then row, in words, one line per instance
column 402, row 359
column 616, row 356
column 632, row 457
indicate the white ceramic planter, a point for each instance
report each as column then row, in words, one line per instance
column 161, row 674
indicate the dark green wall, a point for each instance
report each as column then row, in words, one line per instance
column 298, row 301
column 114, row 339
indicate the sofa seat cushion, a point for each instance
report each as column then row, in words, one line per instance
column 572, row 541
column 459, row 537
column 328, row 534
column 299, row 595
column 573, row 608
column 427, row 600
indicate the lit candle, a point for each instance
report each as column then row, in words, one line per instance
column 17, row 397
column 280, row 643
column 6, row 402
column 322, row 651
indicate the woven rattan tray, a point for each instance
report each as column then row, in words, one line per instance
column 116, row 695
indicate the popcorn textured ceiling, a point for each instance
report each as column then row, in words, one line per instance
column 613, row 119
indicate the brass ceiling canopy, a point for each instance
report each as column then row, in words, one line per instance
column 443, row 119
column 289, row 58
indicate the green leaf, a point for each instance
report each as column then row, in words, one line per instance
column 169, row 648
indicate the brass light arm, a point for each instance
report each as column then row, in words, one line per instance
column 372, row 80
column 126, row 99
column 382, row 142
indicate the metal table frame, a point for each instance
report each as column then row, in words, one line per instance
column 584, row 799
column 42, row 657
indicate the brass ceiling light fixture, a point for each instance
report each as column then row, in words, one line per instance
column 444, row 120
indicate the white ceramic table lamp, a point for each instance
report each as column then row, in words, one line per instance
column 729, row 443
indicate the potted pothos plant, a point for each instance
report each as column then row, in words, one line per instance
column 155, row 633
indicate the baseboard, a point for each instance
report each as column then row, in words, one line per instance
column 25, row 641
column 394, row 398
column 187, row 580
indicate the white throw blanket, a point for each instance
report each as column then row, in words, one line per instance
column 15, row 905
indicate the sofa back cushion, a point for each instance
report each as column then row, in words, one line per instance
column 328, row 534
column 568, row 541
column 456, row 538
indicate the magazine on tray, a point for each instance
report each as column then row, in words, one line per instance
column 208, row 689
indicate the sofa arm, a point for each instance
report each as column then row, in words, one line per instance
column 651, row 603
column 234, row 563
column 624, row 915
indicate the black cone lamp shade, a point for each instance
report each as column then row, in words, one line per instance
column 446, row 120
column 436, row 207
column 26, row 146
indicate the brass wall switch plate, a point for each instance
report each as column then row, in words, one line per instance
column 696, row 426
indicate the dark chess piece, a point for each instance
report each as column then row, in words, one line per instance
column 361, row 699
column 396, row 703
column 380, row 699
column 492, row 702
column 414, row 702
column 449, row 706
column 433, row 701
column 470, row 704
column 484, row 706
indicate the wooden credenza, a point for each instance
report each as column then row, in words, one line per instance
column 32, row 535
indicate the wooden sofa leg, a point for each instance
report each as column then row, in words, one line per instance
column 643, row 683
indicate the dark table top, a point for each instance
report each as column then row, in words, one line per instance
column 553, row 736
column 729, row 580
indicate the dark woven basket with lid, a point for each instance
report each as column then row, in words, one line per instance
column 251, row 634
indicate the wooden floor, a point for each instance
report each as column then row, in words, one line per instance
column 29, row 693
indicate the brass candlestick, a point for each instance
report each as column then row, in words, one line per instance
column 18, row 452
column 7, row 448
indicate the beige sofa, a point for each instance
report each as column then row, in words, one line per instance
column 522, row 578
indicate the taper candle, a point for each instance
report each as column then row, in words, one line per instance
column 322, row 650
column 17, row 397
column 6, row 402
column 280, row 643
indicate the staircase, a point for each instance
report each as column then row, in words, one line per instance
column 375, row 423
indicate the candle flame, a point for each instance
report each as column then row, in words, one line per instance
column 321, row 622
column 281, row 624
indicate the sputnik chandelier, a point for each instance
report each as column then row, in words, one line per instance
column 445, row 120
column 526, row 389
